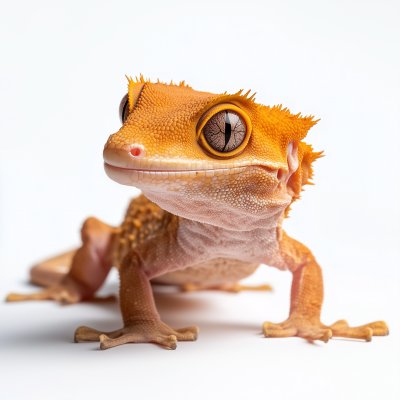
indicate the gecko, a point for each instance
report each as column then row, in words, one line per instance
column 218, row 175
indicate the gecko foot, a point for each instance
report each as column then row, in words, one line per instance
column 63, row 294
column 60, row 293
column 312, row 329
column 138, row 332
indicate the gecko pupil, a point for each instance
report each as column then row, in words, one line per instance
column 228, row 129
column 225, row 131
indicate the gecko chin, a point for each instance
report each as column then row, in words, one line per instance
column 233, row 198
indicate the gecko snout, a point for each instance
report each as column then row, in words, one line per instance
column 123, row 156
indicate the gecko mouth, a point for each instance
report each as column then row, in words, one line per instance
column 176, row 170
column 130, row 167
column 172, row 179
column 133, row 176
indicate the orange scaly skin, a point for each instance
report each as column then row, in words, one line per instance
column 207, row 217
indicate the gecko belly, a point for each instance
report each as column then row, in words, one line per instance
column 209, row 273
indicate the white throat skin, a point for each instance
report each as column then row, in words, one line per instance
column 245, row 214
column 204, row 242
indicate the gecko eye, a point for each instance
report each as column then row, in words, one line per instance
column 224, row 130
column 124, row 109
column 129, row 101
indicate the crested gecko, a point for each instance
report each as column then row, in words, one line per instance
column 218, row 174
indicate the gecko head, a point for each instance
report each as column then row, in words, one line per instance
column 218, row 159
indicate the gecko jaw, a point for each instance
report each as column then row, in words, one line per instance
column 160, row 170
column 170, row 178
column 131, row 176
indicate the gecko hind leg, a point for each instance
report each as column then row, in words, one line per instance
column 232, row 287
column 90, row 265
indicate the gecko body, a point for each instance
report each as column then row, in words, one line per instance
column 218, row 175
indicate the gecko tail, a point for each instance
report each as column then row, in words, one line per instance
column 53, row 270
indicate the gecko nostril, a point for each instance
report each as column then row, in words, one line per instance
column 137, row 151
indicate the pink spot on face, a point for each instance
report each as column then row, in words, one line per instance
column 135, row 151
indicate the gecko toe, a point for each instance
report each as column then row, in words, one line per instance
column 187, row 334
column 86, row 334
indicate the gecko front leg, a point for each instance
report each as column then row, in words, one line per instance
column 142, row 323
column 306, row 301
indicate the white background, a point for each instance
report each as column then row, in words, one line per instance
column 61, row 80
